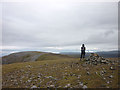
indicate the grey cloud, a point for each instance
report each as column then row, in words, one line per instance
column 60, row 24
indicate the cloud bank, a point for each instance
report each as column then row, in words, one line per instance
column 59, row 26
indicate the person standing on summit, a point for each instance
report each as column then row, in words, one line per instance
column 82, row 51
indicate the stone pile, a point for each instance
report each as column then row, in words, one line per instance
column 96, row 59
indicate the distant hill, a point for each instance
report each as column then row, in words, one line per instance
column 40, row 56
column 30, row 56
column 105, row 54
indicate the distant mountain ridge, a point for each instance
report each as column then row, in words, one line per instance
column 106, row 54
column 27, row 56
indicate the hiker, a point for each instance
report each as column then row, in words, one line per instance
column 82, row 51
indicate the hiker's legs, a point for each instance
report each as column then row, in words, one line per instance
column 84, row 55
column 81, row 55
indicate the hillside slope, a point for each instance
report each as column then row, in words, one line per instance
column 31, row 56
column 62, row 73
column 59, row 71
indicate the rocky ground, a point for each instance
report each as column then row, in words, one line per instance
column 92, row 72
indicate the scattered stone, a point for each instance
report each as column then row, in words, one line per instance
column 95, row 63
column 111, row 76
column 80, row 83
column 34, row 86
column 52, row 86
column 88, row 73
column 113, row 63
column 68, row 85
column 104, row 71
column 108, row 82
column 112, row 68
column 39, row 76
column 59, row 86
column 74, row 74
column 87, row 69
column 104, row 78
column 103, row 61
column 48, row 77
column 29, row 66
column 29, row 80
column 79, row 75
column 84, row 87
column 22, row 77
column 65, row 67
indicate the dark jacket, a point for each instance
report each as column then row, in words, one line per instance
column 82, row 49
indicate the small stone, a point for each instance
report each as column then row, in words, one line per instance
column 74, row 74
column 88, row 78
column 103, row 61
column 50, row 77
column 111, row 76
column 84, row 87
column 81, row 84
column 102, row 72
column 59, row 86
column 112, row 68
column 104, row 78
column 108, row 82
column 52, row 85
column 29, row 80
column 34, row 86
column 65, row 67
column 68, row 85
column 78, row 77
column 96, row 73
column 88, row 73
column 22, row 77
column 39, row 76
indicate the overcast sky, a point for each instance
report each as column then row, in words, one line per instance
column 59, row 26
